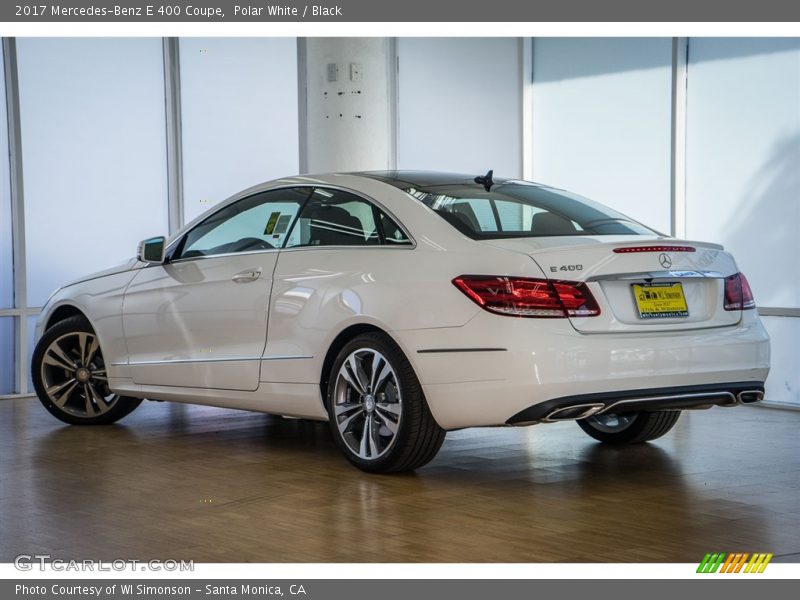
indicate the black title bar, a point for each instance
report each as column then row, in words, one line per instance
column 402, row 10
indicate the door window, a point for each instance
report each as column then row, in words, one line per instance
column 259, row 222
column 392, row 234
column 336, row 218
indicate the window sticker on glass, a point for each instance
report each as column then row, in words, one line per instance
column 273, row 220
column 282, row 225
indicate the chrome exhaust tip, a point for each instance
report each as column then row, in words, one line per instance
column 573, row 413
column 750, row 396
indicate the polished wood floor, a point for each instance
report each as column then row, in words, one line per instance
column 213, row 485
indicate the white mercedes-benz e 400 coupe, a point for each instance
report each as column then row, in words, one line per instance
column 399, row 305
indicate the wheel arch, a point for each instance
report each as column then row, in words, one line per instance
column 61, row 313
column 339, row 342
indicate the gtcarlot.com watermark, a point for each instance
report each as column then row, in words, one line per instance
column 45, row 562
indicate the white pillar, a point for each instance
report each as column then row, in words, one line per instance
column 350, row 99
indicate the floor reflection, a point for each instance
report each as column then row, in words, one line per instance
column 213, row 485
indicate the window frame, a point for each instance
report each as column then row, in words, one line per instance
column 176, row 245
column 180, row 242
column 377, row 208
column 501, row 234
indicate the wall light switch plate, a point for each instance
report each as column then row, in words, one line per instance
column 355, row 72
column 333, row 72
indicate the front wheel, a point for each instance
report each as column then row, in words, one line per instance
column 69, row 376
column 630, row 428
column 378, row 414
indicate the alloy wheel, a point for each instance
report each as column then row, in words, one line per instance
column 367, row 403
column 74, row 375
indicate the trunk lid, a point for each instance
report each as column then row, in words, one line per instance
column 612, row 276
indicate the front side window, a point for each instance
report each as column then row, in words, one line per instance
column 522, row 210
column 259, row 222
column 337, row 218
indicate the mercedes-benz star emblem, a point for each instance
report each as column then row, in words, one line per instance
column 665, row 260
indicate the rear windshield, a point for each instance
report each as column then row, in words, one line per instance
column 519, row 209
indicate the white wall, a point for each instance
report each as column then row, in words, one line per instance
column 240, row 116
column 602, row 121
column 349, row 124
column 743, row 176
column 460, row 105
column 93, row 149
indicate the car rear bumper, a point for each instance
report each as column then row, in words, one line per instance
column 500, row 370
column 675, row 398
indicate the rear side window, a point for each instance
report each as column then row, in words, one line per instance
column 337, row 218
column 393, row 235
column 522, row 210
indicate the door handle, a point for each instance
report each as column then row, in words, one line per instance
column 246, row 276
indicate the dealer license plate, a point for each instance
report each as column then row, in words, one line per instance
column 660, row 300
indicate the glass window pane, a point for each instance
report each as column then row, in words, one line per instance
column 783, row 383
column 601, row 121
column 239, row 116
column 742, row 156
column 513, row 216
column 259, row 222
column 6, row 258
column 523, row 210
column 392, row 233
column 94, row 148
column 335, row 218
column 459, row 105
column 7, row 361
column 479, row 210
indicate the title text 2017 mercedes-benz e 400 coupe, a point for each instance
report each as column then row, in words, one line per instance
column 399, row 305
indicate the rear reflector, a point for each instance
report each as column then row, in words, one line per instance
column 526, row 297
column 738, row 295
column 630, row 249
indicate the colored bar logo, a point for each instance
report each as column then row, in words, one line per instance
column 736, row 562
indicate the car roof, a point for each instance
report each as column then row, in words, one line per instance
column 426, row 179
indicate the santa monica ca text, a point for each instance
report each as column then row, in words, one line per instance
column 244, row 589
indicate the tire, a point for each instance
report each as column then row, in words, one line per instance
column 630, row 428
column 69, row 376
column 379, row 417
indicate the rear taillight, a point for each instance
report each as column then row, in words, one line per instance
column 525, row 297
column 738, row 295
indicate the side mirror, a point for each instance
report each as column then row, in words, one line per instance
column 151, row 250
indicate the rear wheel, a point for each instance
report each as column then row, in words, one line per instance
column 378, row 414
column 630, row 428
column 69, row 376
